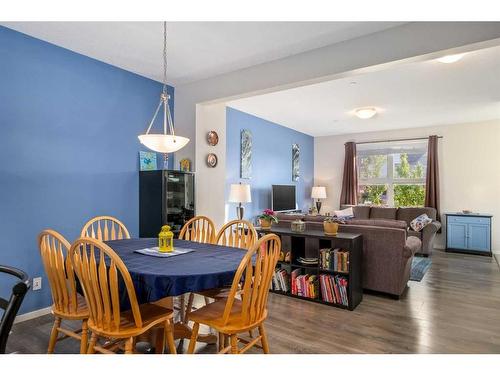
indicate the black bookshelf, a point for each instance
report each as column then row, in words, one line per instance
column 308, row 244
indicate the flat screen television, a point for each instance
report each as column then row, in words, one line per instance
column 283, row 198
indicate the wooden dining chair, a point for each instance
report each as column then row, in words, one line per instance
column 105, row 228
column 198, row 229
column 67, row 303
column 99, row 270
column 231, row 316
column 236, row 233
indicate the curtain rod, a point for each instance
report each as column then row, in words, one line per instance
column 395, row 140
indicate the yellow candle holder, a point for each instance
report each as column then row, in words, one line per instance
column 165, row 240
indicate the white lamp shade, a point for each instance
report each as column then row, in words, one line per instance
column 318, row 192
column 240, row 193
column 164, row 143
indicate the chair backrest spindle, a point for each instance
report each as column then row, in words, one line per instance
column 105, row 228
column 198, row 229
column 237, row 233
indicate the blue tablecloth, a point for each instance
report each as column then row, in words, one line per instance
column 206, row 267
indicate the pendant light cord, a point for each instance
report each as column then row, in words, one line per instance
column 165, row 57
column 167, row 116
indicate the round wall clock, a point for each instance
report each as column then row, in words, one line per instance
column 211, row 160
column 212, row 138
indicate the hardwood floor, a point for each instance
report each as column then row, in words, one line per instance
column 454, row 309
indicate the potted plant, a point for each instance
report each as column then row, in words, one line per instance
column 331, row 225
column 267, row 218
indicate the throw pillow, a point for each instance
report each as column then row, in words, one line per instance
column 420, row 222
column 348, row 213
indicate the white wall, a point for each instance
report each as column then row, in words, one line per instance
column 469, row 166
column 210, row 182
column 408, row 42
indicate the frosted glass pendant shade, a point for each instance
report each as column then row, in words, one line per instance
column 164, row 143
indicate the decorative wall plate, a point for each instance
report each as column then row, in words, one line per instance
column 212, row 138
column 211, row 160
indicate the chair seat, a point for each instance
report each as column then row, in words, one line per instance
column 211, row 315
column 152, row 315
column 82, row 311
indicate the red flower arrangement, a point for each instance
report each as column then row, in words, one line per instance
column 269, row 214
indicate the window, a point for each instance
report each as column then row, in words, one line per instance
column 392, row 173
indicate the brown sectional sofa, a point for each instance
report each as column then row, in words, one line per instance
column 405, row 214
column 387, row 252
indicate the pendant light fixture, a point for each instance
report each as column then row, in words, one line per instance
column 165, row 142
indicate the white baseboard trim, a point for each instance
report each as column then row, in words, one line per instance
column 32, row 315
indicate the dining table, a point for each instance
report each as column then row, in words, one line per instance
column 197, row 267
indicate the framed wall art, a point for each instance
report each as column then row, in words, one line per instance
column 147, row 161
column 246, row 154
column 295, row 162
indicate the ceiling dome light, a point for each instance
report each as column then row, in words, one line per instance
column 164, row 143
column 365, row 113
column 449, row 59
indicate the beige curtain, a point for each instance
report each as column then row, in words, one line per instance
column 349, row 192
column 432, row 179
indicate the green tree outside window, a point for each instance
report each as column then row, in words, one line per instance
column 409, row 195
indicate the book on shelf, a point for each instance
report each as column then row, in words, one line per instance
column 281, row 281
column 304, row 285
column 334, row 260
column 334, row 289
column 293, row 278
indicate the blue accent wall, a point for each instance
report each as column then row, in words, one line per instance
column 68, row 147
column 271, row 161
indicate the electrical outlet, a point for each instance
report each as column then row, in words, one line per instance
column 37, row 283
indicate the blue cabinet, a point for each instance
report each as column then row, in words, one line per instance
column 468, row 233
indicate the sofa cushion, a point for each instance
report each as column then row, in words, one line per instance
column 378, row 223
column 315, row 218
column 361, row 212
column 409, row 213
column 383, row 213
column 290, row 217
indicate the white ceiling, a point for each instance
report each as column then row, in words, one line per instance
column 411, row 95
column 196, row 50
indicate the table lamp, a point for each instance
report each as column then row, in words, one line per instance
column 318, row 192
column 240, row 193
